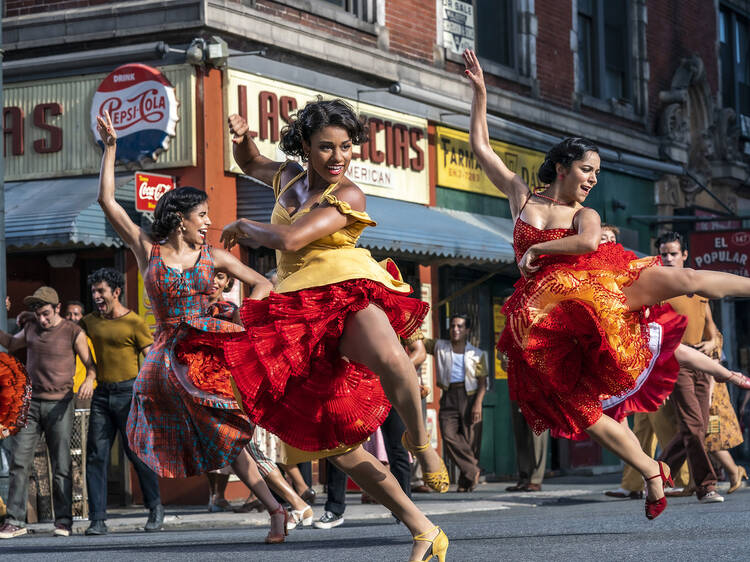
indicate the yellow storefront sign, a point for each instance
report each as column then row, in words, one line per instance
column 392, row 163
column 144, row 305
column 458, row 168
column 499, row 325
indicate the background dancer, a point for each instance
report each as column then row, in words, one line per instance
column 576, row 328
column 180, row 426
column 334, row 322
column 301, row 512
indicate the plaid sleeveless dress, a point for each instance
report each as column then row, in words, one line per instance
column 184, row 419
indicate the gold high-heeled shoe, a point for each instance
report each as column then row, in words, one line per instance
column 741, row 474
column 438, row 545
column 438, row 481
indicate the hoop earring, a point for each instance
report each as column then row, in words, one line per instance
column 182, row 228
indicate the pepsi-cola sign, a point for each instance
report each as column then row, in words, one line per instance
column 143, row 107
column 149, row 188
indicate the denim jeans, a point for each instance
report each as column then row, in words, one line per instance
column 55, row 419
column 110, row 407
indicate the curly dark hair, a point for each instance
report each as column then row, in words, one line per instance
column 564, row 152
column 671, row 236
column 315, row 116
column 172, row 206
column 111, row 277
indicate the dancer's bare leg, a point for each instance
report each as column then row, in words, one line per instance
column 369, row 339
column 726, row 460
column 657, row 284
column 292, row 470
column 378, row 482
column 624, row 424
column 279, row 484
column 622, row 442
column 247, row 471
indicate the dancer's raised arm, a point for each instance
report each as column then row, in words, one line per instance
column 246, row 153
column 500, row 175
column 134, row 236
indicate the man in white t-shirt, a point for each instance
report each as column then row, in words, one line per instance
column 461, row 371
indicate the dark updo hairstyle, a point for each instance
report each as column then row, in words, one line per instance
column 171, row 207
column 564, row 152
column 315, row 116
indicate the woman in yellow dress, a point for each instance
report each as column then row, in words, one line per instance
column 322, row 353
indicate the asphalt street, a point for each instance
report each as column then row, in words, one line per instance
column 567, row 522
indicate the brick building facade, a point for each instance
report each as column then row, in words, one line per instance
column 648, row 80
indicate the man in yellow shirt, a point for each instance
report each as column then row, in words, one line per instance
column 119, row 336
column 74, row 313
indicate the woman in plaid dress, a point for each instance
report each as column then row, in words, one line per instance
column 184, row 421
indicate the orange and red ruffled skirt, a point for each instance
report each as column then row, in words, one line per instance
column 571, row 341
column 15, row 393
column 288, row 368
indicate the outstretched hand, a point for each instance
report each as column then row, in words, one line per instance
column 231, row 234
column 473, row 71
column 106, row 130
column 238, row 128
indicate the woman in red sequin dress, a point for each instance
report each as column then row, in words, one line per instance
column 184, row 421
column 575, row 331
column 323, row 349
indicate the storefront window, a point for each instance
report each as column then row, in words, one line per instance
column 603, row 39
column 495, row 29
column 734, row 57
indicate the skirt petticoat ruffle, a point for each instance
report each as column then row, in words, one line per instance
column 571, row 340
column 290, row 373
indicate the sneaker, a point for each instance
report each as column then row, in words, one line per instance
column 61, row 530
column 97, row 527
column 711, row 497
column 329, row 520
column 623, row 493
column 155, row 519
column 9, row 531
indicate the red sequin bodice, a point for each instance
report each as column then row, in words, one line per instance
column 525, row 236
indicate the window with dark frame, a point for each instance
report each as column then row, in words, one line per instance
column 734, row 59
column 495, row 31
column 604, row 40
column 362, row 9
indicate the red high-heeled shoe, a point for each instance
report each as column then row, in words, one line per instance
column 275, row 539
column 655, row 507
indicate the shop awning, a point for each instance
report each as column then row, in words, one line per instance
column 409, row 229
column 60, row 212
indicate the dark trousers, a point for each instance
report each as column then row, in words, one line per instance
column 398, row 458
column 531, row 449
column 692, row 400
column 109, row 415
column 55, row 419
column 335, row 489
column 461, row 437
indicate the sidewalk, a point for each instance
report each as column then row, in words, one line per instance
column 487, row 497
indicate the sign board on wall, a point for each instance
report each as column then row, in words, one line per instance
column 48, row 133
column 458, row 25
column 721, row 251
column 393, row 163
column 149, row 188
column 143, row 107
column 458, row 168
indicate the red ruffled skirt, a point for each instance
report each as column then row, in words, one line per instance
column 15, row 393
column 288, row 369
column 571, row 340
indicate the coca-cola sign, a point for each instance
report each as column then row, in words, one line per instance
column 149, row 188
column 143, row 107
